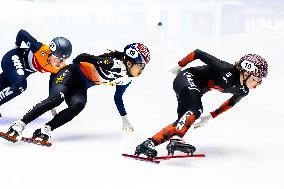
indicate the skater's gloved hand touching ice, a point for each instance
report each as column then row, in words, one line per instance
column 203, row 121
column 126, row 124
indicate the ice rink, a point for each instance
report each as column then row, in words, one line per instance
column 243, row 146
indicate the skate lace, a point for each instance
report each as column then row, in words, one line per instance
column 151, row 145
column 18, row 127
column 178, row 141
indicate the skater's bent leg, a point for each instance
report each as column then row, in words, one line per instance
column 12, row 91
column 3, row 82
column 189, row 109
column 174, row 129
column 76, row 103
column 13, row 78
column 42, row 107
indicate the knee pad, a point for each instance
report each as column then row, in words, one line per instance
column 18, row 88
column 185, row 118
column 5, row 93
column 78, row 106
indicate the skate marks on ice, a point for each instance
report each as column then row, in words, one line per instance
column 6, row 121
column 95, row 137
column 212, row 153
column 218, row 155
column 224, row 151
column 69, row 138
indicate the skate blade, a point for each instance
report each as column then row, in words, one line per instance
column 147, row 159
column 9, row 138
column 179, row 156
column 36, row 141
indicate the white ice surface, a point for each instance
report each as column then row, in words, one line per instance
column 243, row 147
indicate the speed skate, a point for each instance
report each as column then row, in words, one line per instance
column 158, row 159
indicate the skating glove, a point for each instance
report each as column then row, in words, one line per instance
column 53, row 112
column 175, row 70
column 126, row 124
column 203, row 121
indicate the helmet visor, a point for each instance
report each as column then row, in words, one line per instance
column 257, row 79
column 58, row 59
column 141, row 66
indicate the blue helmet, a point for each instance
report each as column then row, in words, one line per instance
column 137, row 52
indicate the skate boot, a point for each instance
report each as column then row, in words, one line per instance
column 40, row 136
column 14, row 133
column 179, row 145
column 146, row 148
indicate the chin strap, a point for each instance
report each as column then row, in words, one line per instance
column 127, row 69
column 48, row 59
column 245, row 80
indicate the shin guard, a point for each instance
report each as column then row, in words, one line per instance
column 180, row 129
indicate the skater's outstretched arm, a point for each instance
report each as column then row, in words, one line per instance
column 212, row 61
column 120, row 89
column 215, row 63
column 32, row 43
column 228, row 104
column 223, row 108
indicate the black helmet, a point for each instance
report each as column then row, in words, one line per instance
column 61, row 47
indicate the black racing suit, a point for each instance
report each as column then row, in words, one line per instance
column 65, row 85
column 70, row 84
column 191, row 83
